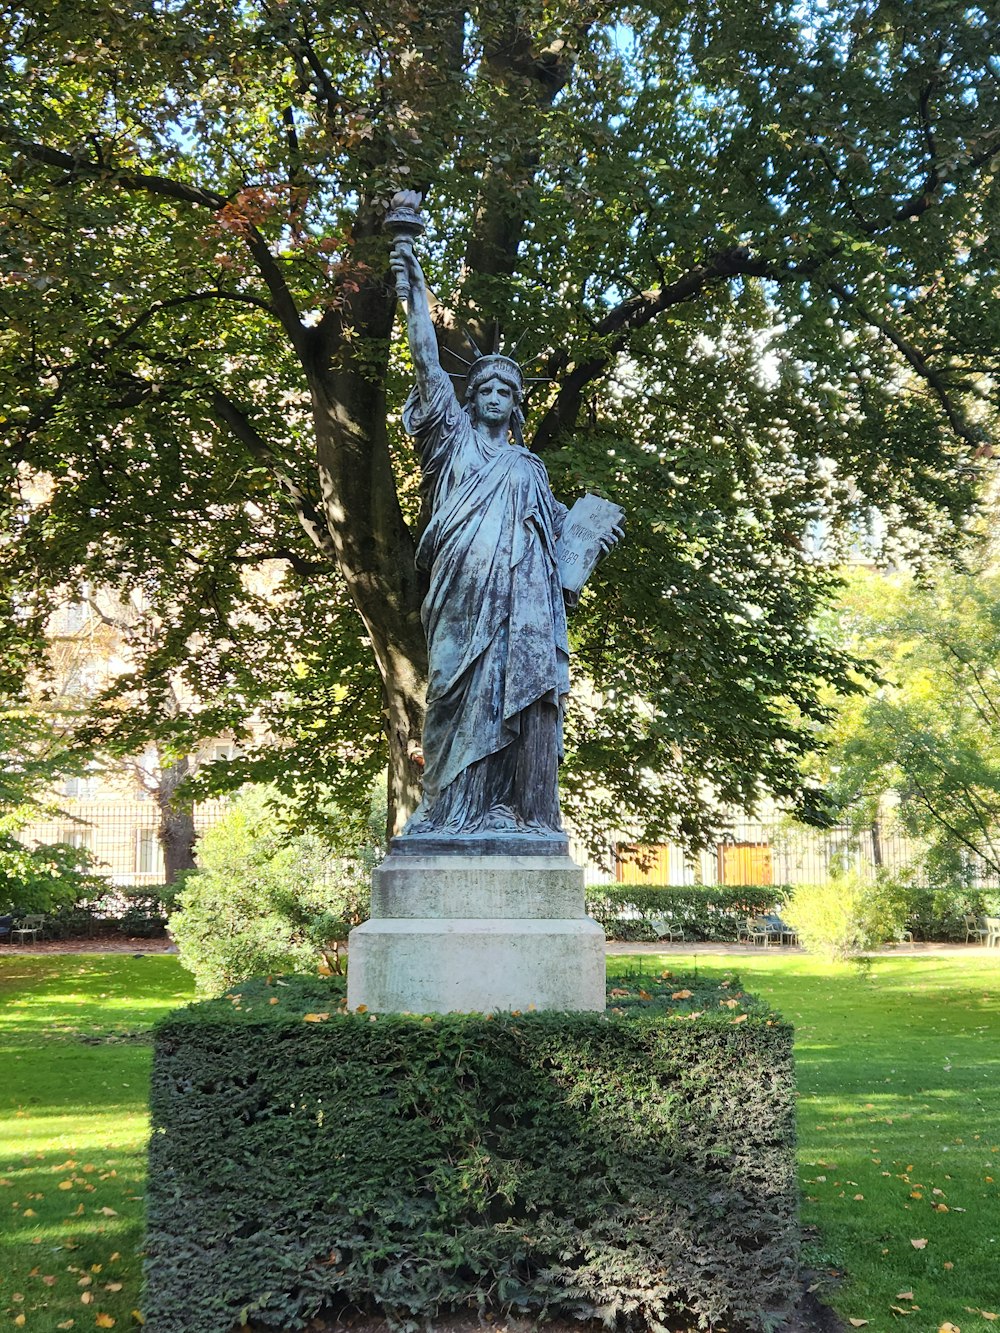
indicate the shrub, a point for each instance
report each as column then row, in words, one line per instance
column 629, row 911
column 636, row 1163
column 937, row 913
column 847, row 914
column 42, row 879
column 263, row 901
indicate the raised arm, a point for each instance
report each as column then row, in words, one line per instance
column 423, row 343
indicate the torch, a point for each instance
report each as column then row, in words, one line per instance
column 406, row 222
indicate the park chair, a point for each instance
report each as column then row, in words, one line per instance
column 6, row 929
column 667, row 930
column 992, row 924
column 976, row 930
column 33, row 925
column 759, row 932
column 779, row 929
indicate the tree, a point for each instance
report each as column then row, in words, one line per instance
column 727, row 230
column 928, row 734
column 34, row 878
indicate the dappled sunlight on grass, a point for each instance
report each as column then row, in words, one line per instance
column 73, row 1130
column 898, row 1073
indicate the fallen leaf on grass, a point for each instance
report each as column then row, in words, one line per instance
column 87, row 1297
column 904, row 1295
column 740, row 1018
column 919, row 1244
column 66, row 1323
column 109, row 1212
column 105, row 1321
column 898, row 1309
column 857, row 1323
column 315, row 1018
column 946, row 1327
column 682, row 995
column 19, row 1320
column 138, row 1316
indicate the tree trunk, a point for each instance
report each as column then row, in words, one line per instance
column 877, row 857
column 375, row 552
column 176, row 832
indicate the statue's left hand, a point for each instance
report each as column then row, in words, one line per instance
column 613, row 538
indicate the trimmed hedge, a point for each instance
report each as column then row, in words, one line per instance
column 631, row 911
column 635, row 1166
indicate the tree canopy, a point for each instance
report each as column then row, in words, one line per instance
column 752, row 248
column 927, row 735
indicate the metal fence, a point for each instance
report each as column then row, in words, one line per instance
column 122, row 836
column 776, row 852
column 123, row 839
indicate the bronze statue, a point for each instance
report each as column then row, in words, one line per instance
column 495, row 611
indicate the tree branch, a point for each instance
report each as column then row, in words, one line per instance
column 77, row 166
column 309, row 516
column 916, row 359
column 173, row 302
column 635, row 313
column 990, row 721
column 940, row 819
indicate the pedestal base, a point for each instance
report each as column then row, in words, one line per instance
column 475, row 965
column 470, row 932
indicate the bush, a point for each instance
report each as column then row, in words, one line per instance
column 629, row 911
column 638, row 1163
column 42, row 879
column 935, row 913
column 262, row 901
column 847, row 914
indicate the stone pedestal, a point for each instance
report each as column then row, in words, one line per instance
column 473, row 931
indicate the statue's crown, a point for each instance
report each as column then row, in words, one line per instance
column 498, row 365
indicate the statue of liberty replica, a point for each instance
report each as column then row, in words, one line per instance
column 478, row 899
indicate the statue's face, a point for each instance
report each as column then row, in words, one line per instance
column 494, row 402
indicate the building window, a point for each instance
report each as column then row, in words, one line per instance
column 148, row 860
column 73, row 837
column 745, row 863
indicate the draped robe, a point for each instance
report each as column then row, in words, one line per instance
column 495, row 622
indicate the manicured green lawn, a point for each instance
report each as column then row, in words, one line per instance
column 898, row 1076
column 74, row 1078
column 899, row 1082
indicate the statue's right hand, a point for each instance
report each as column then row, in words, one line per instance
column 405, row 269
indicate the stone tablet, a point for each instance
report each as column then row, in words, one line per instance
column 579, row 548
